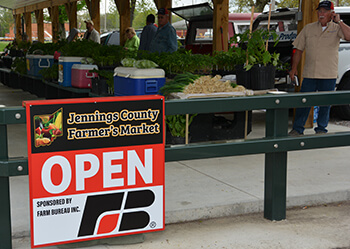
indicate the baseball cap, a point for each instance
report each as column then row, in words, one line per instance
column 163, row 11
column 89, row 21
column 328, row 5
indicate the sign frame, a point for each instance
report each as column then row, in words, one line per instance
column 118, row 163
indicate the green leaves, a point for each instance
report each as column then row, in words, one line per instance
column 180, row 61
column 252, row 48
column 178, row 83
column 275, row 59
column 177, row 124
column 266, row 58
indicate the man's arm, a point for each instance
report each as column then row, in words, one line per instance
column 296, row 59
column 144, row 38
column 344, row 27
column 172, row 40
column 346, row 30
column 95, row 36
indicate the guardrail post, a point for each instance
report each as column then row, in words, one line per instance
column 5, row 208
column 276, row 167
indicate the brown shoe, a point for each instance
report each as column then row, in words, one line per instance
column 294, row 133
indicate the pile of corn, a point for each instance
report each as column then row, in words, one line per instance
column 208, row 84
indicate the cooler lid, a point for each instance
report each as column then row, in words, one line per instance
column 39, row 56
column 70, row 59
column 84, row 66
column 45, row 56
column 136, row 73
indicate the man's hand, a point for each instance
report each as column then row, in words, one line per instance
column 292, row 74
column 335, row 17
column 296, row 59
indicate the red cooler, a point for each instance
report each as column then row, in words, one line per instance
column 81, row 77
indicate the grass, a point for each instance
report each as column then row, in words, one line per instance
column 3, row 45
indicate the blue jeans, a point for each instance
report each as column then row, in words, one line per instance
column 301, row 114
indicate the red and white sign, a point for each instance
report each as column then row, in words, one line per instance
column 96, row 168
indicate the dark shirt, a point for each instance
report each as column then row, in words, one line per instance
column 165, row 39
column 147, row 36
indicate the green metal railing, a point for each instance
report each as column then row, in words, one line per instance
column 275, row 145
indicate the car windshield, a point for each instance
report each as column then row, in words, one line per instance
column 193, row 11
column 241, row 28
column 283, row 23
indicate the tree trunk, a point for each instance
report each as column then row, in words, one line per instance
column 61, row 31
column 132, row 11
column 260, row 4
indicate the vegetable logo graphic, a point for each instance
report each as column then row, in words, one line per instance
column 47, row 128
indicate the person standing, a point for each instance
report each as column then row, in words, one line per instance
column 165, row 39
column 320, row 41
column 132, row 41
column 148, row 33
column 91, row 33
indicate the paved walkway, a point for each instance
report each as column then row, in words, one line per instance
column 211, row 188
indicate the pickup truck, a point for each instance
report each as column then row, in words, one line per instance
column 284, row 22
column 199, row 34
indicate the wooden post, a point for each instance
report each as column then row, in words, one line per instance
column 39, row 15
column 124, row 18
column 164, row 4
column 186, row 131
column 220, row 25
column 308, row 9
column 28, row 22
column 157, row 3
column 268, row 27
column 54, row 14
column 18, row 27
column 71, row 9
column 94, row 11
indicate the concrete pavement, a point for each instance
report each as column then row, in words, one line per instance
column 321, row 227
column 221, row 187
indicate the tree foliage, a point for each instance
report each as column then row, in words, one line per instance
column 142, row 9
column 246, row 5
column 6, row 19
column 288, row 3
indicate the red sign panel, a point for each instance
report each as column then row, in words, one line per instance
column 96, row 168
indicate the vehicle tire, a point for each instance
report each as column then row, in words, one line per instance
column 343, row 111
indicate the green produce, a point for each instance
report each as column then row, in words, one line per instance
column 177, row 124
column 50, row 73
column 145, row 64
column 178, row 83
column 128, row 62
column 88, row 61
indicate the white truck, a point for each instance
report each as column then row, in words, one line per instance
column 284, row 22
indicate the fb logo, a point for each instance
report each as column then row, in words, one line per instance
column 98, row 204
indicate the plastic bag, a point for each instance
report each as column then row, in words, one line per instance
column 145, row 64
column 128, row 62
